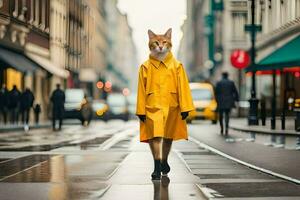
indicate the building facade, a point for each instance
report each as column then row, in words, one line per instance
column 62, row 41
column 86, row 44
column 210, row 33
column 25, row 48
column 121, row 51
column 280, row 21
column 280, row 24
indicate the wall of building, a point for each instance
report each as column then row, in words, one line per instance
column 121, row 51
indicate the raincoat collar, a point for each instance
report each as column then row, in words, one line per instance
column 166, row 61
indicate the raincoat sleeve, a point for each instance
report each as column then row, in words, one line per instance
column 185, row 97
column 141, row 92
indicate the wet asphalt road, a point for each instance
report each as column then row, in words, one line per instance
column 70, row 164
column 279, row 160
column 106, row 161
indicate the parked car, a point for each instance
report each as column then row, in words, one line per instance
column 204, row 102
column 117, row 107
column 76, row 105
column 99, row 109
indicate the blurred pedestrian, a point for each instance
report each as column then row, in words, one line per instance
column 164, row 101
column 3, row 103
column 14, row 104
column 86, row 111
column 226, row 95
column 26, row 103
column 58, row 101
column 37, row 110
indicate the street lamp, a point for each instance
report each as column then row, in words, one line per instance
column 253, row 28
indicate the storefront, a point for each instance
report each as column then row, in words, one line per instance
column 283, row 63
column 16, row 69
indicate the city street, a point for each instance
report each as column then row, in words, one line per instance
column 150, row 100
column 106, row 161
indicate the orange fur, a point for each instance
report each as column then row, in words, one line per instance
column 158, row 42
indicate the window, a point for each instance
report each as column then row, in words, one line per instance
column 283, row 12
column 239, row 20
column 201, row 94
column 297, row 7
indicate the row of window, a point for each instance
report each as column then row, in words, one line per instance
column 34, row 12
column 271, row 14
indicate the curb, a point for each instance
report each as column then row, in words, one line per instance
column 271, row 132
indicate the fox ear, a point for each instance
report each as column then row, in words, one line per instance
column 151, row 34
column 169, row 33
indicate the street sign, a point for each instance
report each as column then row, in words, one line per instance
column 250, row 27
column 240, row 59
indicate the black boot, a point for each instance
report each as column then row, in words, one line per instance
column 165, row 167
column 157, row 170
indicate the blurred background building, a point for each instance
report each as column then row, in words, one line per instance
column 72, row 42
column 121, row 51
column 215, row 28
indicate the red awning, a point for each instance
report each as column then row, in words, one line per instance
column 293, row 70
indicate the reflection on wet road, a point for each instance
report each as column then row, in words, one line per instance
column 161, row 189
column 71, row 169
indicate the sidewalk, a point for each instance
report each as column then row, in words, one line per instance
column 46, row 124
column 196, row 174
column 19, row 127
column 132, row 180
column 241, row 124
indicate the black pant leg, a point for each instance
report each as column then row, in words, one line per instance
column 27, row 114
column 54, row 114
column 221, row 118
column 227, row 112
column 60, row 118
column 13, row 116
column 23, row 116
column 4, row 115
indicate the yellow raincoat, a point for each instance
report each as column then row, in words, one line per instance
column 163, row 93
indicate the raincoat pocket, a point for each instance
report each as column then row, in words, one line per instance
column 150, row 100
column 173, row 99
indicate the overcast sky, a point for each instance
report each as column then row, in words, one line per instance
column 157, row 15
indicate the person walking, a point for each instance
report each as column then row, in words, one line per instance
column 86, row 111
column 226, row 96
column 58, row 101
column 26, row 102
column 37, row 110
column 4, row 103
column 14, row 104
column 163, row 101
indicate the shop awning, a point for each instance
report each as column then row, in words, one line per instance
column 17, row 61
column 48, row 65
column 286, row 56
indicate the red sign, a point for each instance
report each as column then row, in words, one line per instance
column 240, row 59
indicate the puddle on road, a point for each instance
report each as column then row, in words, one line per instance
column 11, row 167
column 123, row 144
column 86, row 145
column 4, row 159
column 14, row 139
column 59, row 176
column 90, row 144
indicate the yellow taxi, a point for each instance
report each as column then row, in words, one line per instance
column 204, row 101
